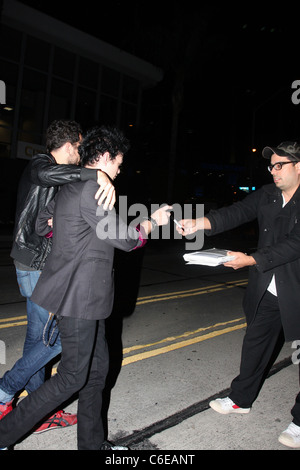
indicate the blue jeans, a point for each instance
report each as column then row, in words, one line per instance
column 29, row 371
column 83, row 368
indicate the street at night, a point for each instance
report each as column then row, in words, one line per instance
column 150, row 104
column 180, row 328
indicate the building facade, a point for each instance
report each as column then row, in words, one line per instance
column 50, row 70
column 53, row 71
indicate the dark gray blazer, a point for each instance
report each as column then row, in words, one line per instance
column 77, row 280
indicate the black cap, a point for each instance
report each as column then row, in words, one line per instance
column 285, row 149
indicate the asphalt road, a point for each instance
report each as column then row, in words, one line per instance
column 175, row 338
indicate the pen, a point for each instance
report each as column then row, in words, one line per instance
column 176, row 222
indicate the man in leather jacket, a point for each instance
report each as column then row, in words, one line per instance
column 272, row 301
column 39, row 183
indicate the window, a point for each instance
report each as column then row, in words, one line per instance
column 88, row 73
column 9, row 74
column 85, row 107
column 130, row 90
column 110, row 82
column 5, row 139
column 10, row 43
column 108, row 110
column 37, row 54
column 64, row 63
column 32, row 106
column 60, row 100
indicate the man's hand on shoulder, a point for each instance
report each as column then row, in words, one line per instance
column 106, row 193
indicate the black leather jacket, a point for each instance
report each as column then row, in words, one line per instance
column 38, row 185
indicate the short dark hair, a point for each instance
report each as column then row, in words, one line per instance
column 60, row 132
column 99, row 140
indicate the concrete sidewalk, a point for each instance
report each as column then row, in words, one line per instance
column 258, row 430
column 208, row 430
column 177, row 384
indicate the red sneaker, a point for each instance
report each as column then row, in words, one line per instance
column 5, row 408
column 60, row 419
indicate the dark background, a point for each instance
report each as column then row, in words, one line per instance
column 228, row 74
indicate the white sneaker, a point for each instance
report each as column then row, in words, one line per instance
column 291, row 436
column 226, row 406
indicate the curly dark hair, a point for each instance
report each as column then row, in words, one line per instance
column 99, row 140
column 61, row 132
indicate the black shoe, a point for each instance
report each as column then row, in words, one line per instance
column 109, row 446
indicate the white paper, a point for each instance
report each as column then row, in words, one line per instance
column 211, row 257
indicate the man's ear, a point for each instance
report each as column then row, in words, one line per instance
column 68, row 147
column 105, row 158
column 297, row 166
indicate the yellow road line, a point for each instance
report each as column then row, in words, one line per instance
column 181, row 344
column 14, row 321
column 188, row 293
column 174, row 346
column 234, row 283
column 8, row 325
column 13, row 318
column 183, row 335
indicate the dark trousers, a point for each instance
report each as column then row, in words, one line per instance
column 263, row 340
column 83, row 368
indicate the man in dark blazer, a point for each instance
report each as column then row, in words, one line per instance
column 272, row 300
column 77, row 286
column 40, row 181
